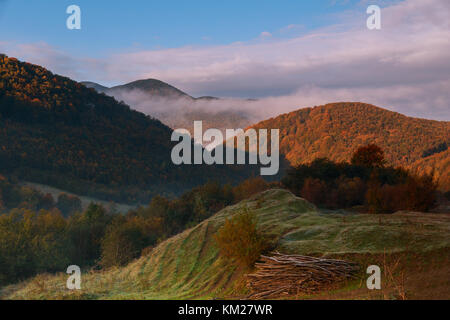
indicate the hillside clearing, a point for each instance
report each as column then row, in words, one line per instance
column 188, row 265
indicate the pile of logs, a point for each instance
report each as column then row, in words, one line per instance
column 289, row 275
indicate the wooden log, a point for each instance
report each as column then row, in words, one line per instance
column 279, row 274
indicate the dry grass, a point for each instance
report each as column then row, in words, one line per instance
column 189, row 266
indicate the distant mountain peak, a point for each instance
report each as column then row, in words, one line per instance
column 152, row 87
column 94, row 85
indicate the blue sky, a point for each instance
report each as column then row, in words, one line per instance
column 147, row 24
column 288, row 54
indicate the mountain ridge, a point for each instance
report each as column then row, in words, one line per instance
column 325, row 128
column 57, row 132
column 336, row 130
column 151, row 86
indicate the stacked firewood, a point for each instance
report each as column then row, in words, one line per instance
column 280, row 275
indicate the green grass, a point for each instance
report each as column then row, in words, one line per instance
column 188, row 265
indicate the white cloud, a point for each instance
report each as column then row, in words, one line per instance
column 265, row 34
column 405, row 66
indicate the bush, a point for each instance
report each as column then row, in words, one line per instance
column 447, row 195
column 85, row 232
column 368, row 156
column 240, row 239
column 417, row 193
column 314, row 190
column 68, row 204
column 349, row 192
column 249, row 187
column 420, row 192
column 126, row 237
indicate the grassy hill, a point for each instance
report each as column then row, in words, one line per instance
column 188, row 265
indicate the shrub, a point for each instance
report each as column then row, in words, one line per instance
column 420, row 192
column 417, row 193
column 85, row 232
column 249, row 187
column 384, row 198
column 368, row 156
column 68, row 204
column 349, row 192
column 240, row 239
column 126, row 237
column 314, row 190
column 447, row 195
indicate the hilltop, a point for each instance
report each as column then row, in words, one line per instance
column 153, row 87
column 188, row 265
column 336, row 130
column 176, row 108
column 58, row 132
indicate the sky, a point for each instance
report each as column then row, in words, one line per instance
column 289, row 54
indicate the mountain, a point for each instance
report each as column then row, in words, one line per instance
column 151, row 87
column 336, row 130
column 189, row 265
column 154, row 88
column 98, row 87
column 176, row 108
column 58, row 132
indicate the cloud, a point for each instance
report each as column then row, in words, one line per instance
column 405, row 66
column 265, row 34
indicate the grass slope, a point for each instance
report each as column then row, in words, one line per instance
column 188, row 265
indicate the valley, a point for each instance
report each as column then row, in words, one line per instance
column 60, row 136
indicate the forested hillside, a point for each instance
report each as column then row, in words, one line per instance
column 58, row 132
column 439, row 164
column 336, row 130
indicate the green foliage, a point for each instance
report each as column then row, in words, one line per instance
column 189, row 265
column 94, row 237
column 240, row 239
column 85, row 232
column 68, row 204
column 13, row 195
column 126, row 238
column 30, row 243
column 190, row 208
